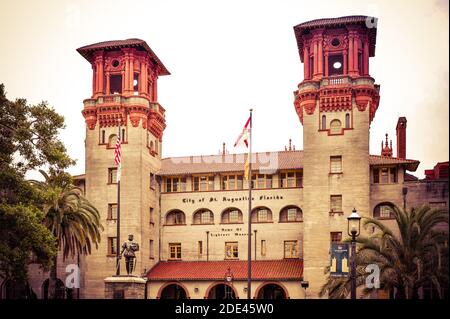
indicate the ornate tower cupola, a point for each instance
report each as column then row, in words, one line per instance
column 386, row 150
column 335, row 54
column 124, row 84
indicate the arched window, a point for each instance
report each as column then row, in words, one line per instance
column 261, row 215
column 156, row 147
column 335, row 127
column 291, row 214
column 112, row 140
column 384, row 211
column 347, row 120
column 231, row 216
column 175, row 217
column 324, row 122
column 203, row 216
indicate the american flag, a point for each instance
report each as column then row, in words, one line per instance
column 118, row 157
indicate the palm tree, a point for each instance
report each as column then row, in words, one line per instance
column 72, row 219
column 414, row 257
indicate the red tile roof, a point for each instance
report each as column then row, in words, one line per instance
column 288, row 269
column 284, row 160
column 269, row 161
column 410, row 164
column 305, row 27
column 88, row 50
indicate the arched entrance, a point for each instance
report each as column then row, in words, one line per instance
column 60, row 292
column 271, row 291
column 221, row 291
column 173, row 291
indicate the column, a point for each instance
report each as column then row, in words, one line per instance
column 355, row 54
column 94, row 79
column 306, row 63
column 108, row 86
column 155, row 88
column 345, row 63
column 126, row 81
column 326, row 64
column 366, row 57
column 101, row 76
column 350, row 54
column 143, row 79
column 131, row 74
column 320, row 56
column 315, row 58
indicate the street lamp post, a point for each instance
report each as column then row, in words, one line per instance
column 354, row 228
column 304, row 284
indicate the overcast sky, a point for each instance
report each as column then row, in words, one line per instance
column 225, row 57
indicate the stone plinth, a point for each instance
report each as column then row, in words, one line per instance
column 124, row 287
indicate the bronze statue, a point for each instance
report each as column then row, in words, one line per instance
column 128, row 250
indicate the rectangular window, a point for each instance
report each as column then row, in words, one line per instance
column 175, row 251
column 112, row 211
column 136, row 83
column 203, row 183
column 290, row 179
column 335, row 164
column 232, row 182
column 336, row 203
column 112, row 246
column 290, row 249
column 384, row 176
column 152, row 213
column 393, row 175
column 263, row 247
column 231, row 250
column 200, row 249
column 115, row 84
column 151, row 250
column 336, row 237
column 376, row 176
column 175, row 184
column 112, row 175
column 123, row 135
column 103, row 137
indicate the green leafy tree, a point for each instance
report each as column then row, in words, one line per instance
column 28, row 140
column 71, row 218
column 413, row 257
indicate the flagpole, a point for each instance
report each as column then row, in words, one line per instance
column 118, row 212
column 249, row 248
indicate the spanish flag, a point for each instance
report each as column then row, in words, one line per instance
column 244, row 138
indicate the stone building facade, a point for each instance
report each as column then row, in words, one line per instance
column 189, row 214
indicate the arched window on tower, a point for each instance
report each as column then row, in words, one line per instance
column 347, row 120
column 324, row 122
column 335, row 127
column 112, row 140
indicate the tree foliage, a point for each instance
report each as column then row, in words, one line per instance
column 28, row 140
column 414, row 256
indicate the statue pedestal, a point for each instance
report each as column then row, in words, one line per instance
column 125, row 287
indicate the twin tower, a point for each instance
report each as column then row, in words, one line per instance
column 335, row 102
